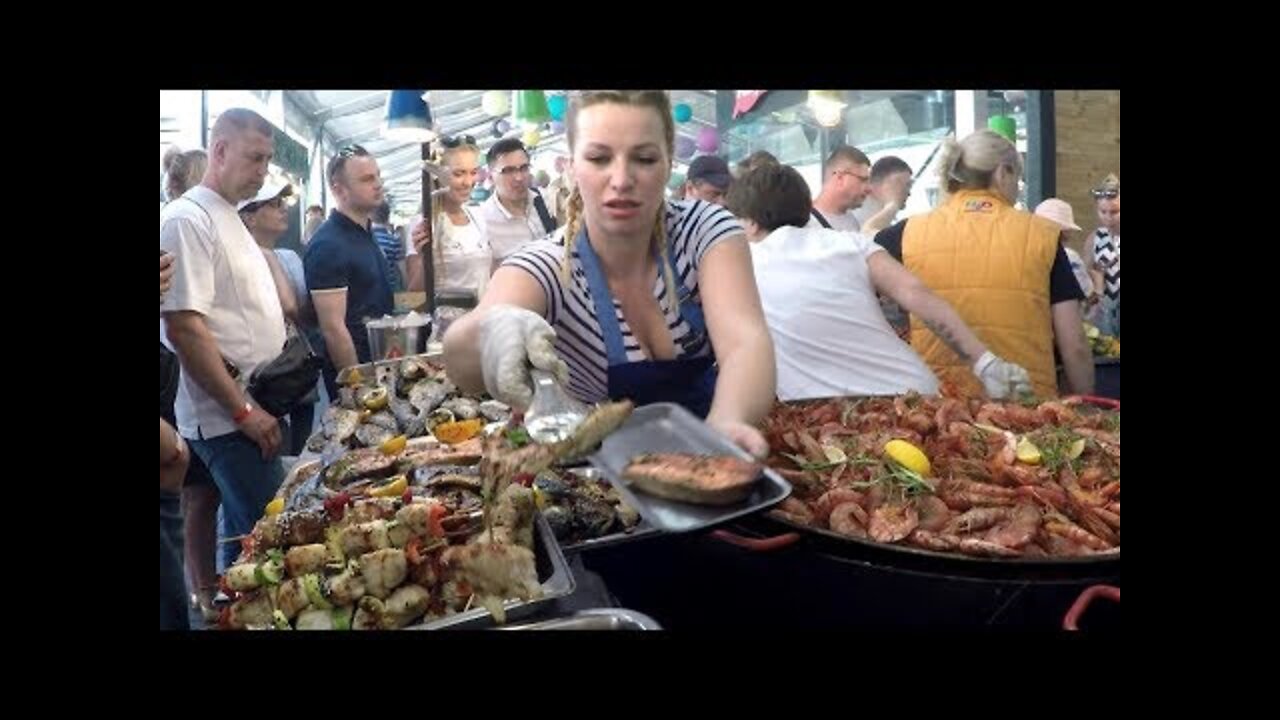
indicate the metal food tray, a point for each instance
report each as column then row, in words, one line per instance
column 595, row 619
column 669, row 428
column 640, row 531
column 553, row 572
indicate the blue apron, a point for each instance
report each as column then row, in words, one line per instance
column 690, row 381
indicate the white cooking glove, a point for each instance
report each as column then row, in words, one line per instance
column 1001, row 378
column 511, row 340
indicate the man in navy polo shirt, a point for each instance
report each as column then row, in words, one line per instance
column 347, row 274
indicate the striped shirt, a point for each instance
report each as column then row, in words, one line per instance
column 1106, row 253
column 693, row 228
column 393, row 249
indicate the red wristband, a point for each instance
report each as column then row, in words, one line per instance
column 242, row 413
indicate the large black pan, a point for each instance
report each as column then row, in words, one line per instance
column 768, row 533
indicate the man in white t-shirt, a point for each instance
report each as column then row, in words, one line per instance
column 223, row 318
column 818, row 289
column 515, row 213
column 846, row 182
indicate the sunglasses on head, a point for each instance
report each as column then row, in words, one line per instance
column 457, row 140
column 351, row 151
column 339, row 160
column 1108, row 193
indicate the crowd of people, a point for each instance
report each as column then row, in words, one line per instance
column 733, row 289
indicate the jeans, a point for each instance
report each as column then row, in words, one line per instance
column 173, row 593
column 300, row 422
column 246, row 481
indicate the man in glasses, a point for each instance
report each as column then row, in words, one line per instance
column 517, row 212
column 347, row 273
column 846, row 182
column 223, row 308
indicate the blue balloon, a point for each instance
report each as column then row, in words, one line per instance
column 682, row 112
column 556, row 105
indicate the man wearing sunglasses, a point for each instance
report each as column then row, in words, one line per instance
column 267, row 217
column 516, row 213
column 348, row 275
column 846, row 182
column 708, row 179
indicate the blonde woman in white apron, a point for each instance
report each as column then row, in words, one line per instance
column 462, row 258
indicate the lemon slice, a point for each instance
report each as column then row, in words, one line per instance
column 908, row 456
column 1076, row 449
column 394, row 445
column 377, row 399
column 1028, row 452
column 395, row 488
column 275, row 507
column 834, row 454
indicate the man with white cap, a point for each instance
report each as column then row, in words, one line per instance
column 267, row 217
column 1059, row 211
column 223, row 317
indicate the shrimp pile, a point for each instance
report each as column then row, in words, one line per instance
column 1002, row 479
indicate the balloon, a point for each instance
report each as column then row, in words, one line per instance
column 495, row 102
column 542, row 179
column 479, row 194
column 685, row 147
column 482, row 174
column 502, row 126
column 531, row 138
column 556, row 105
column 682, row 112
column 557, row 126
column 676, row 181
column 708, row 140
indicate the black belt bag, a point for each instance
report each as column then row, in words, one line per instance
column 287, row 381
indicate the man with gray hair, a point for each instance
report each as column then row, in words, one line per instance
column 223, row 318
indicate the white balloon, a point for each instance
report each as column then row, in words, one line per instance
column 496, row 103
